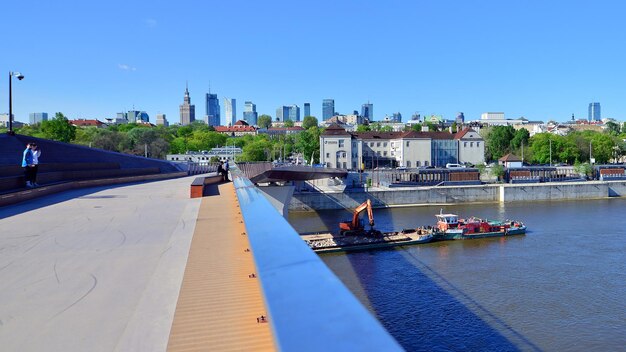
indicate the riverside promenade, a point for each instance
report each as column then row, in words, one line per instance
column 101, row 269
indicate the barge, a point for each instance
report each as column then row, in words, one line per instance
column 450, row 227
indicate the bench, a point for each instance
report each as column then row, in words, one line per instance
column 199, row 184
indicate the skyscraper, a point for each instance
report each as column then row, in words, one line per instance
column 307, row 109
column 230, row 110
column 367, row 111
column 187, row 111
column 397, row 117
column 212, row 109
column 594, row 112
column 135, row 116
column 249, row 113
column 285, row 113
column 161, row 120
column 38, row 117
column 328, row 108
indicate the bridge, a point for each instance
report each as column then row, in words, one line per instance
column 140, row 266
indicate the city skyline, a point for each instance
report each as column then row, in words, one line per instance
column 516, row 58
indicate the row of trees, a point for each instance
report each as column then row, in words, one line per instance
column 543, row 148
column 158, row 141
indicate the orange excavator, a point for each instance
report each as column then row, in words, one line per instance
column 355, row 227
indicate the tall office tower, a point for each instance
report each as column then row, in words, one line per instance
column 230, row 110
column 249, row 113
column 307, row 109
column 38, row 117
column 594, row 112
column 134, row 116
column 282, row 113
column 161, row 120
column 328, row 108
column 397, row 117
column 187, row 110
column 212, row 109
column 294, row 113
column 367, row 111
column 460, row 118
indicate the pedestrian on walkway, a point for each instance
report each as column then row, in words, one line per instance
column 27, row 164
column 220, row 170
column 226, row 171
column 36, row 154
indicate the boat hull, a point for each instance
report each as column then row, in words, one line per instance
column 447, row 236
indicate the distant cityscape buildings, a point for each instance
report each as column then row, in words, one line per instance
column 328, row 108
column 291, row 112
column 249, row 113
column 307, row 109
column 161, row 120
column 230, row 110
column 187, row 110
column 37, row 117
column 135, row 116
column 594, row 112
column 367, row 111
column 212, row 110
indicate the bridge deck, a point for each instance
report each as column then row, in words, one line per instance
column 219, row 303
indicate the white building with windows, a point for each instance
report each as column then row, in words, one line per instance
column 369, row 150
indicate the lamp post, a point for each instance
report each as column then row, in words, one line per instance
column 19, row 77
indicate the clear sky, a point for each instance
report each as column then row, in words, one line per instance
column 539, row 59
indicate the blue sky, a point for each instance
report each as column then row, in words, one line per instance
column 538, row 59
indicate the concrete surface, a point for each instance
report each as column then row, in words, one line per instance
column 95, row 269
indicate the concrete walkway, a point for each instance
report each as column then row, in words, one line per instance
column 95, row 269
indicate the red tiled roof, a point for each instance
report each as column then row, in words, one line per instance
column 86, row 123
column 509, row 157
column 241, row 123
column 236, row 128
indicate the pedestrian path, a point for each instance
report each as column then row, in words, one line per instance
column 220, row 305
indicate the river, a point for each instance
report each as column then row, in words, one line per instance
column 560, row 287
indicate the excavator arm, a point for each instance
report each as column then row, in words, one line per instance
column 354, row 224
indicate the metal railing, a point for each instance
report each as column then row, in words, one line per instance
column 309, row 308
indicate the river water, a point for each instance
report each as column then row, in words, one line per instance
column 560, row 287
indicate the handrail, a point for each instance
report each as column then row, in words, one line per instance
column 309, row 308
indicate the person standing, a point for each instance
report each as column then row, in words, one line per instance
column 36, row 154
column 220, row 170
column 27, row 165
column 226, row 171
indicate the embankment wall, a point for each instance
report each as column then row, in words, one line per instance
column 460, row 194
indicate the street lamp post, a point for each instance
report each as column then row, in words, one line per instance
column 20, row 77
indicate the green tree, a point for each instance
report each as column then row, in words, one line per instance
column 454, row 127
column 386, row 129
column 288, row 123
column 363, row 128
column 417, row 127
column 520, row 137
column 58, row 129
column 308, row 142
column 264, row 121
column 499, row 141
column 309, row 121
column 256, row 151
column 498, row 171
column 612, row 128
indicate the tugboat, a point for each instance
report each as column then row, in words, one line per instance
column 450, row 227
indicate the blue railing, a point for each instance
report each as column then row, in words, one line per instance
column 309, row 308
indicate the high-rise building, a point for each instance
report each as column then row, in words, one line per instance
column 212, row 110
column 187, row 110
column 38, row 117
column 230, row 110
column 307, row 109
column 134, row 116
column 285, row 113
column 367, row 111
column 249, row 113
column 328, row 108
column 594, row 112
column 161, row 120
column 396, row 117
column 460, row 118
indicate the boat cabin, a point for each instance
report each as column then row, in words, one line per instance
column 446, row 221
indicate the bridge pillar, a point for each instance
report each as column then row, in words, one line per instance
column 279, row 197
